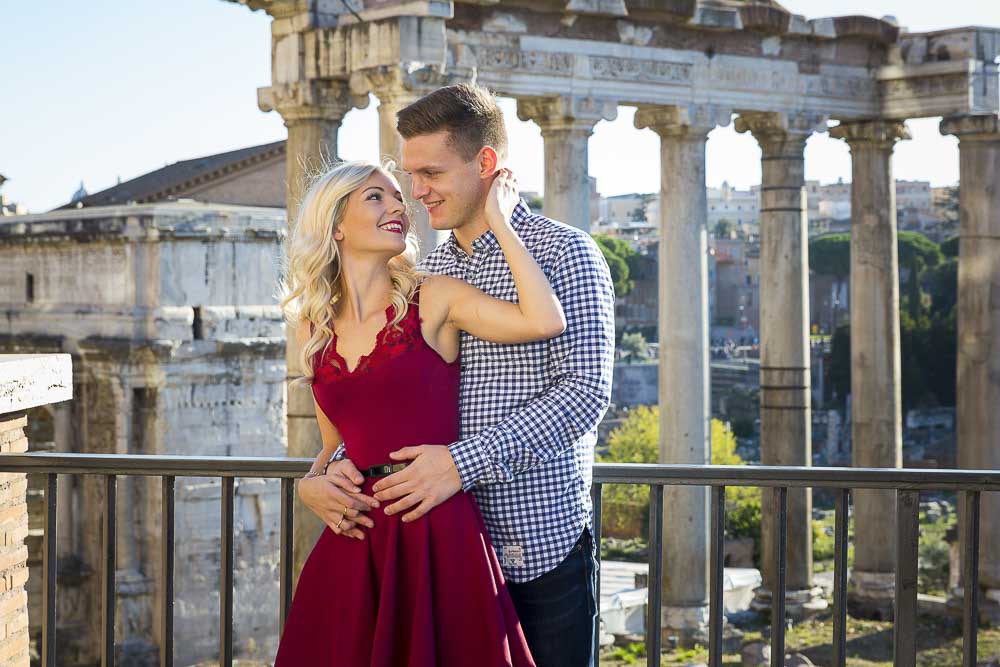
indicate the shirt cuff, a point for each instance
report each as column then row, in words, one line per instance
column 471, row 461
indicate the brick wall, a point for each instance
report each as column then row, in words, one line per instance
column 13, row 552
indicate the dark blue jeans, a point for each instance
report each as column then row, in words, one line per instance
column 558, row 609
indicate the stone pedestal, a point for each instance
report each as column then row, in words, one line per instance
column 685, row 428
column 978, row 388
column 566, row 123
column 312, row 111
column 785, row 414
column 876, row 421
column 26, row 381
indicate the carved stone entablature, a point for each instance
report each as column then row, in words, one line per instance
column 972, row 127
column 310, row 100
column 939, row 88
column 566, row 112
column 695, row 120
column 598, row 7
column 513, row 59
column 879, row 134
column 616, row 69
column 950, row 45
column 408, row 81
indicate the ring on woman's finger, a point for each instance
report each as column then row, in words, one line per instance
column 341, row 521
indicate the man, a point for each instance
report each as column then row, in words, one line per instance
column 529, row 412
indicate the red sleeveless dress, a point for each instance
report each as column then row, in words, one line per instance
column 429, row 593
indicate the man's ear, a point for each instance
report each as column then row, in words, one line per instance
column 489, row 162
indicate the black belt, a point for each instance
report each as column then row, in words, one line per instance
column 383, row 470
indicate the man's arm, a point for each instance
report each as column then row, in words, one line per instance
column 582, row 360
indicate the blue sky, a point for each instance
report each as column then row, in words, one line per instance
column 102, row 89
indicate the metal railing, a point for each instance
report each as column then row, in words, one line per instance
column 907, row 483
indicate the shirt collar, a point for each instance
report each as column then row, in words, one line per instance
column 487, row 243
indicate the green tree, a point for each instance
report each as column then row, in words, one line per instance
column 618, row 254
column 723, row 228
column 534, row 202
column 634, row 346
column 949, row 247
column 831, row 255
column 637, row 439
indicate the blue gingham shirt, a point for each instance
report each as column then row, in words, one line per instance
column 529, row 412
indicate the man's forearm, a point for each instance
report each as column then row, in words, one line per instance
column 537, row 433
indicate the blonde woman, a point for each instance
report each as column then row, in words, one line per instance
column 380, row 348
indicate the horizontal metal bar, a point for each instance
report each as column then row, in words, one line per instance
column 604, row 473
column 152, row 465
column 797, row 476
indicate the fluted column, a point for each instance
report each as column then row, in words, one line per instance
column 396, row 88
column 566, row 122
column 684, row 384
column 876, row 421
column 978, row 390
column 784, row 341
column 312, row 111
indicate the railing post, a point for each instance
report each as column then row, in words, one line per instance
column 840, row 542
column 654, row 581
column 167, row 572
column 596, row 501
column 716, row 612
column 109, row 541
column 226, row 575
column 286, row 559
column 778, row 595
column 49, row 570
column 905, row 611
column 970, row 578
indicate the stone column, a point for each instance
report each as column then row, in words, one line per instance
column 312, row 111
column 978, row 390
column 566, row 123
column 784, row 337
column 685, row 428
column 397, row 88
column 876, row 422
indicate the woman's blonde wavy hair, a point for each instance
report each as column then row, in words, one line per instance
column 312, row 284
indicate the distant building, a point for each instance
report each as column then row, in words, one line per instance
column 7, row 207
column 739, row 208
column 168, row 308
column 253, row 176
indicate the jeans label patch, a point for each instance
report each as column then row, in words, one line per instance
column 512, row 555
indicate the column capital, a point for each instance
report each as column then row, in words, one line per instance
column 310, row 100
column 673, row 121
column 566, row 112
column 972, row 127
column 878, row 133
column 404, row 83
column 781, row 125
